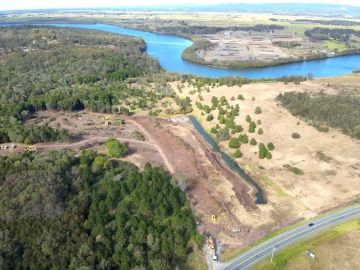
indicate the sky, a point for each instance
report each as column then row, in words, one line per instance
column 38, row 4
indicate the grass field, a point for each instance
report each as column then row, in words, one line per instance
column 335, row 46
column 336, row 248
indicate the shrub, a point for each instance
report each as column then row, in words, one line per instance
column 253, row 141
column 258, row 122
column 322, row 128
column 294, row 170
column 258, row 110
column 240, row 97
column 321, row 156
column 234, row 143
column 269, row 155
column 209, row 117
column 237, row 154
column 270, row 146
column 114, row 148
column 260, row 131
column 295, row 135
column 214, row 130
column 138, row 135
column 252, row 127
column 248, row 118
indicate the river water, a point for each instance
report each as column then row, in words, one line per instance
column 168, row 49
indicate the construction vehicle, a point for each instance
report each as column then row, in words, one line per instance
column 213, row 218
column 31, row 149
column 212, row 248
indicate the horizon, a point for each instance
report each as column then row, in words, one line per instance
column 111, row 4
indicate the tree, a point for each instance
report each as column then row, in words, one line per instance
column 252, row 127
column 262, row 151
column 206, row 108
column 248, row 118
column 221, row 119
column 223, row 134
column 260, row 131
column 209, row 117
column 214, row 101
column 238, row 129
column 229, row 123
column 253, row 141
column 244, row 138
column 295, row 135
column 234, row 143
column 258, row 110
column 114, row 148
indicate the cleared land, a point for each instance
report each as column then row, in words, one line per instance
column 246, row 46
column 323, row 184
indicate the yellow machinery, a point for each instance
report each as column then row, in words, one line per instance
column 31, row 148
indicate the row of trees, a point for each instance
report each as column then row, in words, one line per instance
column 339, row 34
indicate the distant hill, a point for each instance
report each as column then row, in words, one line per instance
column 293, row 8
column 329, row 10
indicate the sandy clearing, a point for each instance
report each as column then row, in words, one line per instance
column 323, row 185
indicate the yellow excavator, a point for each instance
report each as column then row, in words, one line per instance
column 31, row 149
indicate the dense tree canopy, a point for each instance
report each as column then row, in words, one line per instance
column 88, row 212
column 66, row 69
column 337, row 111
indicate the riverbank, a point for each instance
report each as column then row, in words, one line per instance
column 191, row 53
column 168, row 50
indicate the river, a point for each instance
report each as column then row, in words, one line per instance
column 167, row 50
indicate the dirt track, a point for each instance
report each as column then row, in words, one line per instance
column 212, row 188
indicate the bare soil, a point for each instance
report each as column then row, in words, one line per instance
column 324, row 185
column 222, row 202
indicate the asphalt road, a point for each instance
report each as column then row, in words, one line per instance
column 280, row 241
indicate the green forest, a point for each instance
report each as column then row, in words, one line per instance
column 323, row 110
column 89, row 212
column 65, row 69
